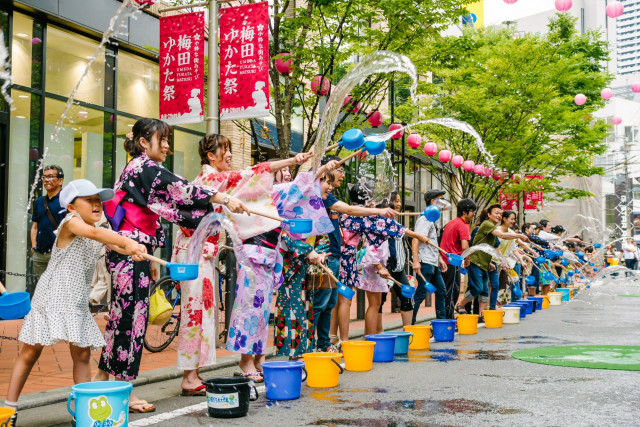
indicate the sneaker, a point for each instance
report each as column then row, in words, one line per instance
column 13, row 421
column 481, row 319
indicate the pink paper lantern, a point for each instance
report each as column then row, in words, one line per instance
column 488, row 172
column 284, row 63
column 430, row 148
column 444, row 156
column 468, row 165
column 375, row 119
column 616, row 120
column 347, row 103
column 580, row 99
column 635, row 87
column 457, row 160
column 614, row 9
column 478, row 169
column 510, row 1
column 563, row 5
column 497, row 175
column 607, row 93
column 394, row 126
column 414, row 140
column 320, row 85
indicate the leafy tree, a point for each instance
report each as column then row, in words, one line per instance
column 517, row 92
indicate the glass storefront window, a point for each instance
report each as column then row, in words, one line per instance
column 23, row 156
column 26, row 51
column 138, row 85
column 186, row 160
column 124, row 127
column 78, row 146
column 67, row 58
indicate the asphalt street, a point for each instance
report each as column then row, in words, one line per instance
column 469, row 382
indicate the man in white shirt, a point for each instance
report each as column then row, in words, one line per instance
column 630, row 253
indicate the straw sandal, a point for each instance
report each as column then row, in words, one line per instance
column 201, row 390
column 133, row 410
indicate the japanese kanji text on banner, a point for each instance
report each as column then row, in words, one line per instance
column 533, row 200
column 244, row 62
column 182, row 68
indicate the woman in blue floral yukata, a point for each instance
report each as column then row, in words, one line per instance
column 145, row 192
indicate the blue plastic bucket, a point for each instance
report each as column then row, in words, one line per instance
column 283, row 379
column 444, row 330
column 100, row 403
column 538, row 301
column 523, row 308
column 455, row 260
column 529, row 305
column 531, row 280
column 566, row 293
column 403, row 340
column 385, row 347
column 463, row 271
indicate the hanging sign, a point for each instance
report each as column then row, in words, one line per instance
column 182, row 68
column 244, row 61
column 533, row 200
column 509, row 202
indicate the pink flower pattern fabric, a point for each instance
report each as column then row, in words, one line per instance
column 371, row 280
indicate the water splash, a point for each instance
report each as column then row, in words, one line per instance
column 447, row 122
column 118, row 22
column 377, row 177
column 381, row 61
column 211, row 225
column 488, row 249
column 5, row 72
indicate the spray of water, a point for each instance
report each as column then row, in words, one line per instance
column 377, row 177
column 488, row 249
column 5, row 72
column 447, row 122
column 118, row 23
column 380, row 61
column 211, row 225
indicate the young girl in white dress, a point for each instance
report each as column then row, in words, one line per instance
column 60, row 304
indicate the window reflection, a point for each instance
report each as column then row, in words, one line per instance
column 138, row 85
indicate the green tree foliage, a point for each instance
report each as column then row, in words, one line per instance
column 517, row 92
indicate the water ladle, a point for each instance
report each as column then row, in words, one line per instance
column 372, row 147
column 432, row 213
column 296, row 225
column 178, row 271
column 343, row 289
column 353, row 139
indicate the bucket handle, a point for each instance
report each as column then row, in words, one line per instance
column 503, row 313
column 255, row 390
column 410, row 342
column 338, row 365
column 72, row 396
column 431, row 331
column 305, row 374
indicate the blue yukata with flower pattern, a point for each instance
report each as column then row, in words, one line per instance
column 376, row 230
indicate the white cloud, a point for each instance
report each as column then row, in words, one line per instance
column 497, row 11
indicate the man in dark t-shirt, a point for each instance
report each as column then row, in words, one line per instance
column 46, row 217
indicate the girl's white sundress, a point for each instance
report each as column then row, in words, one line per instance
column 60, row 304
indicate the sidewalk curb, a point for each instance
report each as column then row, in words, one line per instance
column 58, row 395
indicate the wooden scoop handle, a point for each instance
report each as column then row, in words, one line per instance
column 350, row 156
column 328, row 271
column 396, row 282
column 331, row 147
column 410, row 214
column 266, row 215
column 154, row 259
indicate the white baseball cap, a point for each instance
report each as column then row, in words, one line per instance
column 83, row 188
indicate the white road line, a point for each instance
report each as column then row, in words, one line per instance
column 178, row 412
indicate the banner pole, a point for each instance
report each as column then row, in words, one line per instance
column 213, row 114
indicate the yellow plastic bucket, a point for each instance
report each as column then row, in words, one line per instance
column 5, row 416
column 545, row 301
column 358, row 355
column 421, row 336
column 555, row 298
column 492, row 319
column 574, row 290
column 468, row 324
column 323, row 369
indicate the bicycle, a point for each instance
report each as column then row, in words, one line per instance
column 158, row 337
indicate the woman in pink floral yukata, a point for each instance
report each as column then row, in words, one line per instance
column 198, row 335
column 145, row 192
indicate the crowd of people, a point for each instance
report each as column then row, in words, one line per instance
column 361, row 243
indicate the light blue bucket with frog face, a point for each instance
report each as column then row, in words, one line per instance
column 100, row 403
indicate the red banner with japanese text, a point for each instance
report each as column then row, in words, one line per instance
column 244, row 61
column 533, row 200
column 182, row 68
column 509, row 202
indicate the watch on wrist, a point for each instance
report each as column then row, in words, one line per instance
column 226, row 200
